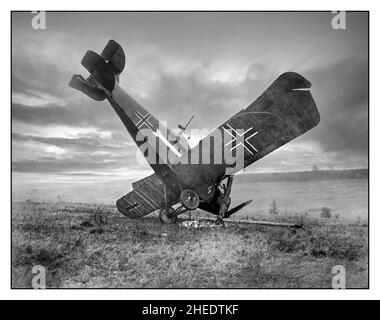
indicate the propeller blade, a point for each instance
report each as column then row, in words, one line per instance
column 226, row 200
column 237, row 208
column 187, row 124
column 183, row 128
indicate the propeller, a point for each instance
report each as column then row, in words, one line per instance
column 183, row 128
column 237, row 208
column 223, row 213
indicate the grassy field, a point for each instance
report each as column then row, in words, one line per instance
column 78, row 252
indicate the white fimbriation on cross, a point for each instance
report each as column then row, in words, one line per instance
column 143, row 120
column 238, row 135
column 159, row 134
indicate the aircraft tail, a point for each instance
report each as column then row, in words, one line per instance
column 163, row 146
column 104, row 69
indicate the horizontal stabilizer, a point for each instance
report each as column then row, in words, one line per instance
column 88, row 87
column 99, row 69
column 146, row 197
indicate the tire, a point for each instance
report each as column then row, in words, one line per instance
column 189, row 199
column 164, row 218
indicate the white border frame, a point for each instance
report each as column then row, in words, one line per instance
column 172, row 294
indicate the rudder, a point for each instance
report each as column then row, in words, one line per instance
column 104, row 69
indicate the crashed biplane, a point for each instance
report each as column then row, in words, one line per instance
column 183, row 180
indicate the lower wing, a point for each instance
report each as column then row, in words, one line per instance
column 146, row 197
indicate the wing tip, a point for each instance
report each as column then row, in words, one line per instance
column 291, row 80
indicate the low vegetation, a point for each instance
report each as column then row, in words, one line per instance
column 274, row 208
column 94, row 246
column 326, row 213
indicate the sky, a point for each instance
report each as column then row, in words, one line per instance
column 210, row 65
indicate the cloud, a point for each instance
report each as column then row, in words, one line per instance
column 341, row 99
column 42, row 65
column 47, row 80
column 199, row 90
column 173, row 90
column 74, row 114
column 70, row 155
column 81, row 144
column 82, row 162
column 341, row 94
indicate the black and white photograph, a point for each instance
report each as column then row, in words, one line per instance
column 189, row 150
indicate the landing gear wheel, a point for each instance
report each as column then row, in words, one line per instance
column 166, row 218
column 189, row 199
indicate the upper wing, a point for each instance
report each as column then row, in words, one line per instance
column 283, row 112
column 146, row 197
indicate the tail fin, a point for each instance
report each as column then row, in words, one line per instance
column 115, row 57
column 104, row 68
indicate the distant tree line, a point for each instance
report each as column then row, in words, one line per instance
column 314, row 175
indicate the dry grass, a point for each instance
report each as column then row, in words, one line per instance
column 122, row 253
